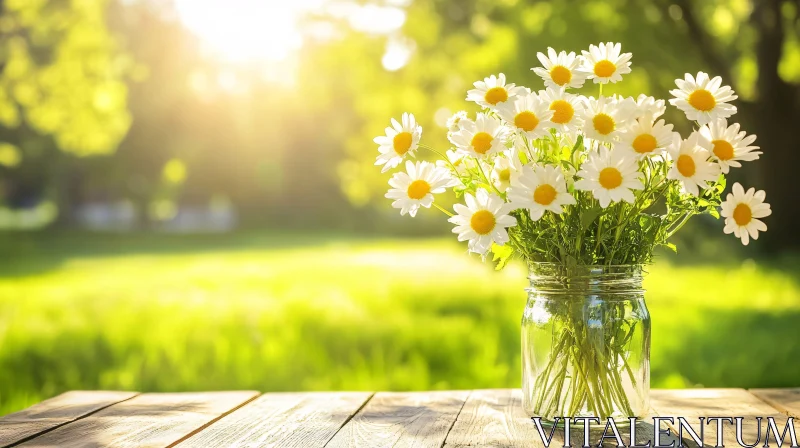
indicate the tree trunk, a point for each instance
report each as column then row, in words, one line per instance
column 776, row 126
column 775, row 118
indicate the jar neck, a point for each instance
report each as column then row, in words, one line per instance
column 558, row 278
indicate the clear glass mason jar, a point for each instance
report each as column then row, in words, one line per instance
column 585, row 342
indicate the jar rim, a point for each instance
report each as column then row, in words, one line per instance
column 557, row 277
column 537, row 268
column 557, row 264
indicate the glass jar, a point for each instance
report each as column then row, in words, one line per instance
column 585, row 342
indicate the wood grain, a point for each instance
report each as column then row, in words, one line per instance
column 784, row 400
column 494, row 418
column 694, row 403
column 146, row 421
column 282, row 419
column 55, row 412
column 402, row 419
column 421, row 419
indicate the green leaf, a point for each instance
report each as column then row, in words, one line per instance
column 721, row 183
column 671, row 246
column 588, row 218
column 502, row 255
column 578, row 144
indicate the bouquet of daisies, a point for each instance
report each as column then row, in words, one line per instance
column 556, row 176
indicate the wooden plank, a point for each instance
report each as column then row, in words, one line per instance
column 402, row 419
column 55, row 412
column 784, row 400
column 694, row 403
column 282, row 419
column 494, row 418
column 147, row 421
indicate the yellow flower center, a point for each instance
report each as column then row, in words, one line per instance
column 562, row 111
column 526, row 121
column 418, row 189
column 723, row 149
column 603, row 124
column 496, row 95
column 644, row 143
column 544, row 194
column 482, row 222
column 742, row 214
column 482, row 142
column 560, row 75
column 686, row 165
column 610, row 178
column 604, row 68
column 402, row 142
column 702, row 100
column 504, row 175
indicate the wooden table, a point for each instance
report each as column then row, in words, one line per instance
column 338, row 419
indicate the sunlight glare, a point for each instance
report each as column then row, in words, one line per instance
column 246, row 30
column 376, row 19
column 398, row 52
column 266, row 35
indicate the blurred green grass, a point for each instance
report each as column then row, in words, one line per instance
column 313, row 312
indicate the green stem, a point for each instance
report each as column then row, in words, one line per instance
column 443, row 210
column 590, row 397
column 545, row 375
column 444, row 157
column 528, row 147
column 680, row 224
column 486, row 178
column 584, row 374
column 620, row 390
column 599, row 233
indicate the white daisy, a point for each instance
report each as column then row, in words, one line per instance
column 540, row 188
column 610, row 176
column 484, row 137
column 493, row 91
column 567, row 108
column 643, row 138
column 454, row 122
column 528, row 114
column 401, row 139
column 703, row 99
column 647, row 106
column 741, row 212
column 605, row 64
column 506, row 169
column 560, row 70
column 482, row 221
column 728, row 145
column 691, row 165
column 416, row 188
column 605, row 118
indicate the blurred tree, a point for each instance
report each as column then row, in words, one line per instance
column 62, row 87
column 263, row 143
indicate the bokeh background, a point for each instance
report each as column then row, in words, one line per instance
column 188, row 200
